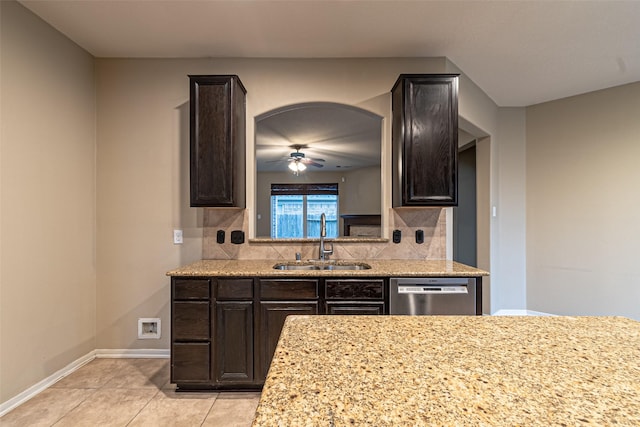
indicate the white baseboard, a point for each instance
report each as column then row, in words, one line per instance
column 506, row 312
column 45, row 383
column 74, row 366
column 149, row 353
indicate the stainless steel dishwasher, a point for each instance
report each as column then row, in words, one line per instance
column 432, row 295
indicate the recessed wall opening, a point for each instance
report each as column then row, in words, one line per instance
column 471, row 221
column 326, row 143
column 465, row 226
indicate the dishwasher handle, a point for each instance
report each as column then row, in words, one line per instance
column 433, row 289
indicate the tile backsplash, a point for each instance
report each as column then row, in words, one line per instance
column 431, row 220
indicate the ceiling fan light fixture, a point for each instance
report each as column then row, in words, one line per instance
column 297, row 166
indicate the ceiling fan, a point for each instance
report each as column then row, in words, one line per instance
column 298, row 161
column 299, row 158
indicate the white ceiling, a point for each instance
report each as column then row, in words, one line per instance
column 345, row 138
column 519, row 52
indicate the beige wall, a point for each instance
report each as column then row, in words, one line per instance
column 510, row 219
column 94, row 185
column 142, row 195
column 583, row 204
column 142, row 169
column 483, row 206
column 48, row 278
column 478, row 115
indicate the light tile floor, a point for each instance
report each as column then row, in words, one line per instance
column 130, row 392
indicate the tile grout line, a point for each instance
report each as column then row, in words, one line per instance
column 79, row 403
column 210, row 409
column 141, row 409
column 99, row 379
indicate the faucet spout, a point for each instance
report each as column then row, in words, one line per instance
column 323, row 225
column 323, row 252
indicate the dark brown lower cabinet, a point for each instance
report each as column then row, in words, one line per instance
column 272, row 317
column 224, row 330
column 191, row 331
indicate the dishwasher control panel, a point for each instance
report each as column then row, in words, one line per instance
column 433, row 289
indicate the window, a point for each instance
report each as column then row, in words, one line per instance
column 296, row 210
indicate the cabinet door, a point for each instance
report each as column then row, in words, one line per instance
column 272, row 317
column 425, row 140
column 354, row 307
column 190, row 362
column 234, row 341
column 217, row 125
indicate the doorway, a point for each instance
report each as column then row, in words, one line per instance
column 465, row 229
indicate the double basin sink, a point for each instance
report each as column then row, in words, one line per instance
column 320, row 265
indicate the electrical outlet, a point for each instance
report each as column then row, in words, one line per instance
column 177, row 237
column 237, row 237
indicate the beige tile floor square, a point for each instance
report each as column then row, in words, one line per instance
column 130, row 392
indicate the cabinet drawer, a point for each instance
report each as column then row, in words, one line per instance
column 235, row 289
column 191, row 289
column 354, row 289
column 191, row 320
column 354, row 307
column 190, row 362
column 288, row 289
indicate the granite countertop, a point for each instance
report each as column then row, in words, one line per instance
column 448, row 370
column 264, row 268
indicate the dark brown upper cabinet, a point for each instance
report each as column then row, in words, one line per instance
column 425, row 140
column 217, row 125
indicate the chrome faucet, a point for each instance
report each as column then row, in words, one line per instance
column 323, row 253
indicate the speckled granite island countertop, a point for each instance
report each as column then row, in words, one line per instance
column 454, row 371
column 416, row 268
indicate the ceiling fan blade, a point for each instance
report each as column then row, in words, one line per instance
column 312, row 163
column 310, row 160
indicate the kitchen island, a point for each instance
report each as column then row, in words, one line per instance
column 453, row 370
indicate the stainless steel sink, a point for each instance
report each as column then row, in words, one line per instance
column 347, row 267
column 322, row 266
column 297, row 267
